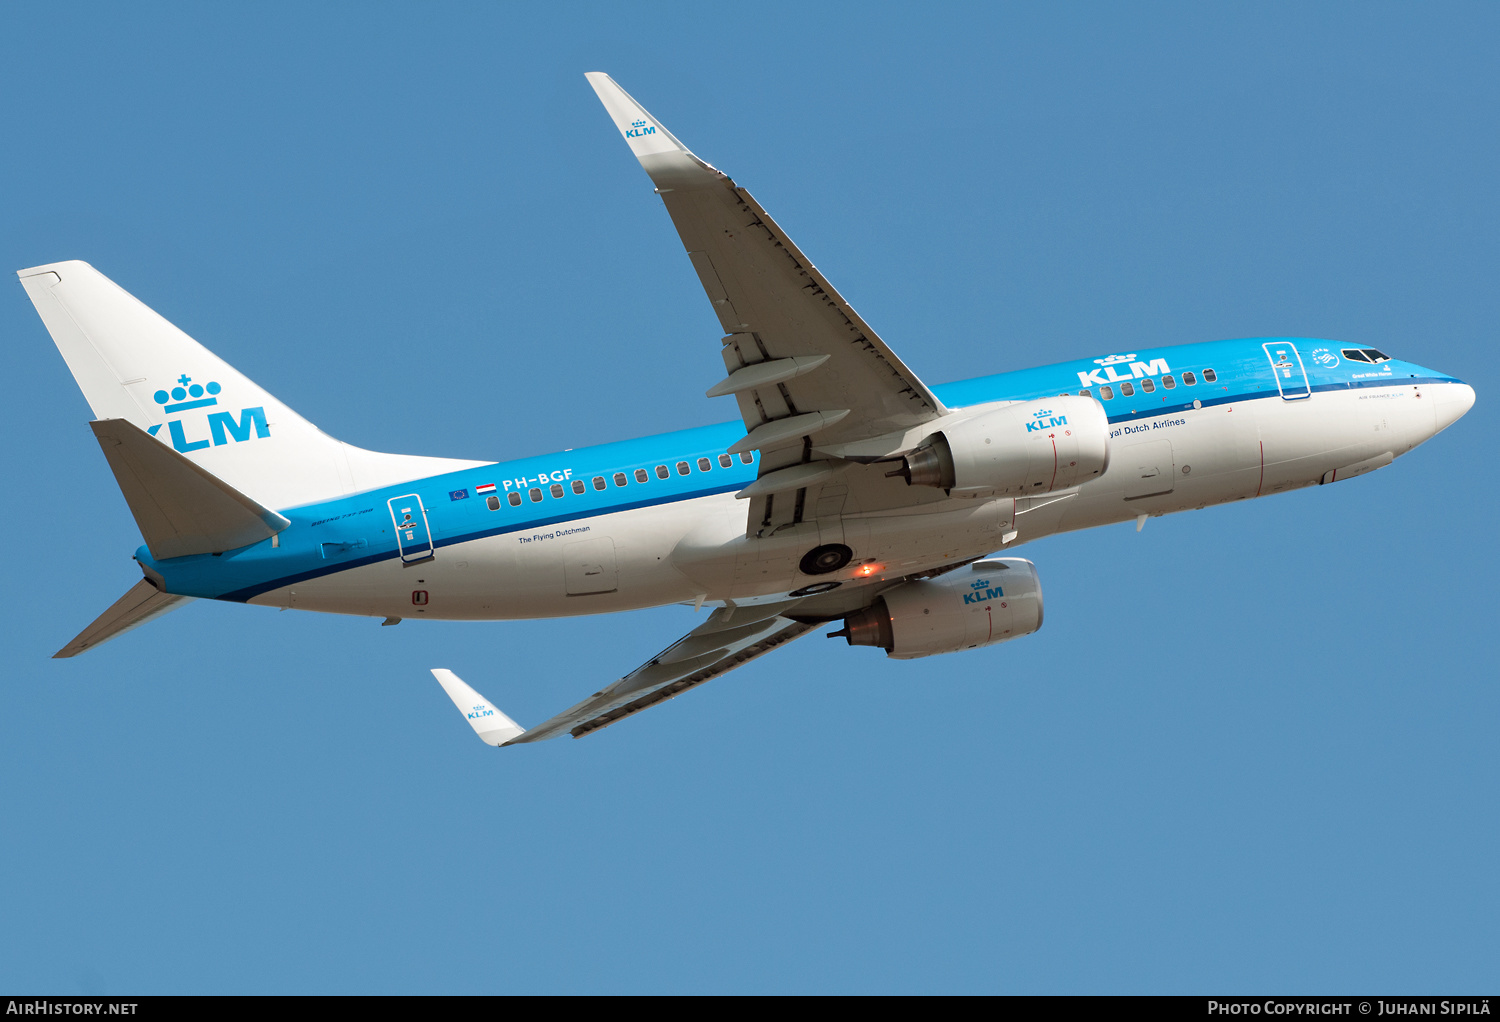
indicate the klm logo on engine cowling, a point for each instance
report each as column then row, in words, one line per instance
column 1108, row 373
column 983, row 592
column 639, row 128
column 222, row 427
column 1044, row 419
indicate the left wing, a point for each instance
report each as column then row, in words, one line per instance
column 729, row 638
column 813, row 380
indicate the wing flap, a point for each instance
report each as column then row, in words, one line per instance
column 716, row 647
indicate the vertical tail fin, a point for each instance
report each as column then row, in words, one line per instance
column 134, row 365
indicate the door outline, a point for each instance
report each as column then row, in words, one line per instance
column 1286, row 372
column 414, row 540
column 1135, row 459
column 590, row 567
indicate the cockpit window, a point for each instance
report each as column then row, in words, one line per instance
column 1365, row 355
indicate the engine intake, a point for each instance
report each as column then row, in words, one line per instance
column 1027, row 447
column 981, row 604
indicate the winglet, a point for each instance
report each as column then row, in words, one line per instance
column 665, row 158
column 492, row 726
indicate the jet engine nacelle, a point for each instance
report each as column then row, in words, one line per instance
column 978, row 605
column 1022, row 448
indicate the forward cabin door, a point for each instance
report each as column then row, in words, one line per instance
column 1286, row 366
column 413, row 537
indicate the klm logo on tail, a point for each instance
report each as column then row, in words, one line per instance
column 222, row 426
column 639, row 128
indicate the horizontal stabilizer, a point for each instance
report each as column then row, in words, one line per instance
column 492, row 726
column 143, row 603
column 180, row 508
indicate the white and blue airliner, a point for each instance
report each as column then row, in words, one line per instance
column 849, row 493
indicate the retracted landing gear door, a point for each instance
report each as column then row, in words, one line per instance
column 413, row 537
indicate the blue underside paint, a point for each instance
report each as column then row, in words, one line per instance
column 337, row 535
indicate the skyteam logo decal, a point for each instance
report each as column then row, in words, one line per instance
column 638, row 129
column 1325, row 358
column 1044, row 419
column 1110, row 373
column 983, row 592
column 222, row 427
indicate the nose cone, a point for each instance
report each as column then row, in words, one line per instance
column 1452, row 400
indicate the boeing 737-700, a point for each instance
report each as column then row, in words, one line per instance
column 849, row 494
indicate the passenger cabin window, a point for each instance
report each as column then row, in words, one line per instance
column 557, row 490
column 493, row 502
column 1127, row 389
column 535, row 495
column 1209, row 376
column 1084, row 393
column 577, row 485
column 725, row 461
column 704, row 464
column 640, row 475
column 1168, row 382
column 661, row 472
column 1148, row 385
column 682, row 468
column 1107, row 393
column 599, row 482
column 747, row 457
column 1190, row 379
column 621, row 478
column 514, row 496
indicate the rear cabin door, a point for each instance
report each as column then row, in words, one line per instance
column 413, row 537
column 1287, row 367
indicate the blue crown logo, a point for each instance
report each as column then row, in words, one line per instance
column 981, row 584
column 637, row 124
column 187, row 394
column 1042, row 414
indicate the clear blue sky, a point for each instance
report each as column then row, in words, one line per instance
column 1252, row 749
